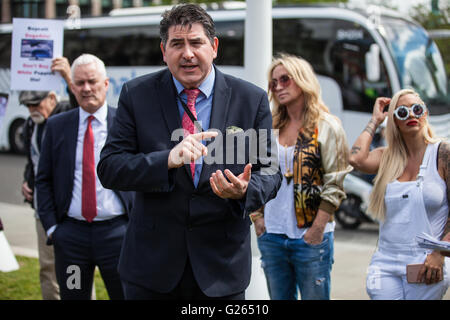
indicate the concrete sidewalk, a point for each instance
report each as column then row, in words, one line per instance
column 20, row 228
column 348, row 274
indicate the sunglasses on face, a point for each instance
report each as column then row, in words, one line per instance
column 403, row 112
column 284, row 80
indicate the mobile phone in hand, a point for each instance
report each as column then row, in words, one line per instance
column 412, row 271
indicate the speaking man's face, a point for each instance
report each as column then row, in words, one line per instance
column 189, row 54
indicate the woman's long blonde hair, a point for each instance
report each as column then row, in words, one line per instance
column 394, row 158
column 303, row 75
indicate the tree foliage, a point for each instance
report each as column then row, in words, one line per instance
column 436, row 20
column 432, row 20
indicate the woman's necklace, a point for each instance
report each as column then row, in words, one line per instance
column 288, row 174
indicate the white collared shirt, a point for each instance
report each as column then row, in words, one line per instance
column 108, row 203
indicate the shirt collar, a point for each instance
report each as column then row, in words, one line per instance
column 100, row 114
column 206, row 87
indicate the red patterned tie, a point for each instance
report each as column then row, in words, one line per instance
column 88, row 193
column 186, row 122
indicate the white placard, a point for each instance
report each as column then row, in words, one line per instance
column 35, row 42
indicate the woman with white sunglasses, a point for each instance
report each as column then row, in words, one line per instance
column 410, row 197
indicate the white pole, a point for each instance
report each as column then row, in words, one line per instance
column 258, row 41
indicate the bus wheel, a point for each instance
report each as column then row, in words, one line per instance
column 16, row 142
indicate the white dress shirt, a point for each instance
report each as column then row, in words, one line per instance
column 108, row 203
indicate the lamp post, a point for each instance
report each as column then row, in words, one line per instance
column 258, row 41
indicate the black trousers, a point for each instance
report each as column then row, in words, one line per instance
column 187, row 289
column 80, row 247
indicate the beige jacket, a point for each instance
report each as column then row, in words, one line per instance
column 334, row 150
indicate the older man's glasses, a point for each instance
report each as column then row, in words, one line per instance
column 284, row 81
column 403, row 112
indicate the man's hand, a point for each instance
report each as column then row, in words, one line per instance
column 189, row 149
column 236, row 188
column 27, row 192
column 62, row 66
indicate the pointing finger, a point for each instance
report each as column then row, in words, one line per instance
column 204, row 135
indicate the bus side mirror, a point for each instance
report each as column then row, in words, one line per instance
column 373, row 63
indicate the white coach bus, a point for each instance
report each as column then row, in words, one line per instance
column 359, row 54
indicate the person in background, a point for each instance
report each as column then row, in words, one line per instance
column 42, row 105
column 84, row 222
column 295, row 230
column 409, row 197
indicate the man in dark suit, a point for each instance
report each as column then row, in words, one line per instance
column 188, row 236
column 85, row 222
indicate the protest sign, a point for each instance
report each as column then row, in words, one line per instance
column 35, row 42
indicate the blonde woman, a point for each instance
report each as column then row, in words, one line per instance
column 410, row 196
column 295, row 230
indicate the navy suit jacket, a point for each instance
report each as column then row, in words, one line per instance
column 54, row 180
column 171, row 219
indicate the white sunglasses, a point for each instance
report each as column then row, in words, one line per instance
column 403, row 112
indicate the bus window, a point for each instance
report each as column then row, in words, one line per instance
column 419, row 63
column 231, row 43
column 302, row 37
column 127, row 46
column 359, row 94
column 343, row 46
column 5, row 50
column 139, row 45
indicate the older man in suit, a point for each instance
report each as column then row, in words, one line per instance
column 85, row 222
column 188, row 236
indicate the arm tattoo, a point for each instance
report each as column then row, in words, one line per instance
column 444, row 165
column 355, row 149
column 371, row 127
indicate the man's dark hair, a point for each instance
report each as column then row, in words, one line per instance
column 186, row 15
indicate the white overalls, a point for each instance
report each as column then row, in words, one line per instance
column 406, row 217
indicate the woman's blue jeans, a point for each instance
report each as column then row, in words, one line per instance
column 292, row 263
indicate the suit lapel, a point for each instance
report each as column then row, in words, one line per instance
column 72, row 138
column 219, row 112
column 110, row 117
column 221, row 103
column 167, row 101
column 109, row 123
